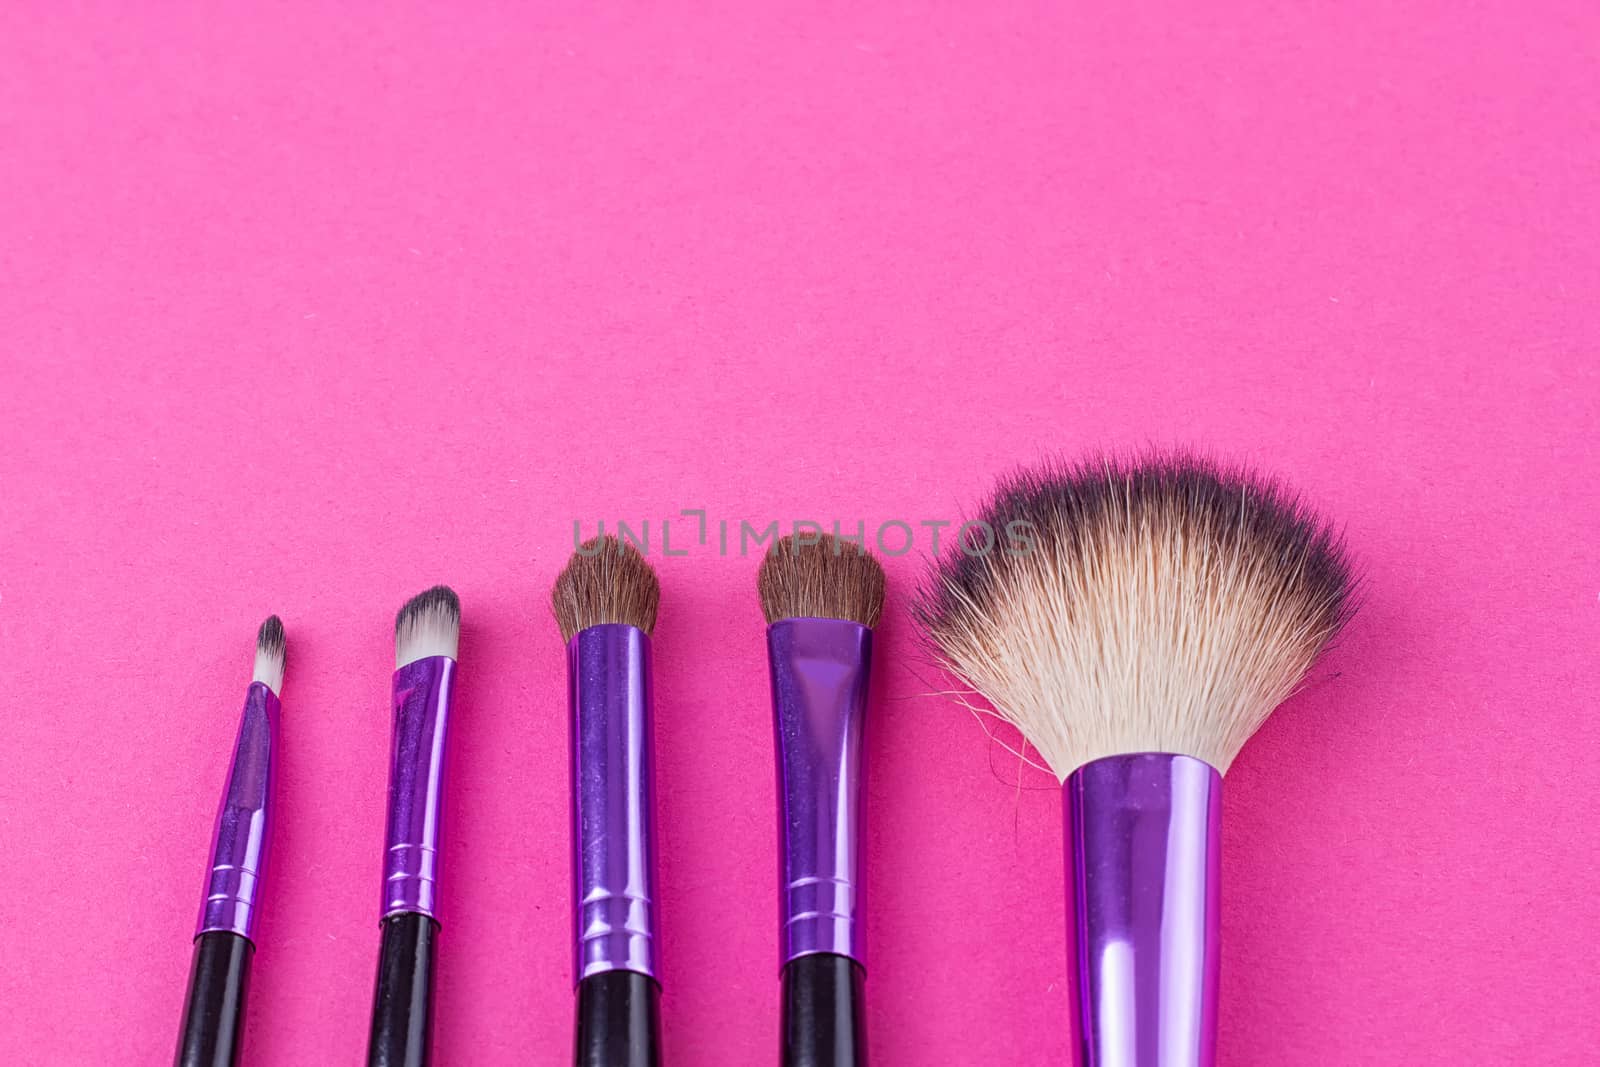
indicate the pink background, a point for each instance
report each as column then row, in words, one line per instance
column 302, row 311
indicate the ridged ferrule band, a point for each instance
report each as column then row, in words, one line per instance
column 240, row 839
column 613, row 801
column 1143, row 852
column 820, row 670
column 422, row 691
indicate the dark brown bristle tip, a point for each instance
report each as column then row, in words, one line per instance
column 820, row 577
column 1062, row 512
column 440, row 601
column 605, row 581
column 270, row 638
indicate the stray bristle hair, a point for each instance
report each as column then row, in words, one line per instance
column 1158, row 605
column 820, row 577
column 429, row 624
column 271, row 645
column 605, row 581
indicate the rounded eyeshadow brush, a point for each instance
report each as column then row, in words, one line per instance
column 821, row 598
column 605, row 602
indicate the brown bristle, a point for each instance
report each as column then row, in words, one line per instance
column 605, row 581
column 821, row 577
column 1165, row 605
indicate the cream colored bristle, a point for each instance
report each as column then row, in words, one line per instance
column 271, row 649
column 429, row 624
column 1163, row 606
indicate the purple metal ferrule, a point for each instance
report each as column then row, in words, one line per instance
column 1143, row 851
column 819, row 700
column 239, row 842
column 422, row 691
column 612, row 752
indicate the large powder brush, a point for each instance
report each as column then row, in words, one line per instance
column 1137, row 621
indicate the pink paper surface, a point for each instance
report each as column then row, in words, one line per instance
column 303, row 310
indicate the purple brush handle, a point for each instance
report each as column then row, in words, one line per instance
column 422, row 691
column 239, row 841
column 820, row 669
column 1143, row 849
column 613, row 801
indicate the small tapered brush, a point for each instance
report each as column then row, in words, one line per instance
column 427, row 634
column 1137, row 621
column 605, row 602
column 821, row 596
column 219, row 979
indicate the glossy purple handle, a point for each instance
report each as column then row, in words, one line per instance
column 240, row 839
column 820, row 669
column 613, row 801
column 1143, row 852
column 422, row 691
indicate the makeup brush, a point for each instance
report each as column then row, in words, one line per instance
column 605, row 603
column 213, row 1011
column 426, row 634
column 822, row 597
column 1137, row 622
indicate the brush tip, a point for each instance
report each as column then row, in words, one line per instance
column 605, row 581
column 429, row 624
column 820, row 577
column 271, row 646
column 1165, row 604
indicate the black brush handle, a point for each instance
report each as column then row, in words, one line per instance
column 824, row 1021
column 402, row 1006
column 213, row 1011
column 619, row 1021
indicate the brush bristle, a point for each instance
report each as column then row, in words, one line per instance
column 820, row 578
column 429, row 624
column 271, row 645
column 1163, row 605
column 605, row 581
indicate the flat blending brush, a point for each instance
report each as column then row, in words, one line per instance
column 1137, row 622
column 605, row 602
column 822, row 597
column 427, row 632
column 213, row 1011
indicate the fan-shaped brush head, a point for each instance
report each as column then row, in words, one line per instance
column 605, row 581
column 1160, row 605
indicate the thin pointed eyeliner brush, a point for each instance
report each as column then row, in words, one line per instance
column 219, row 978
